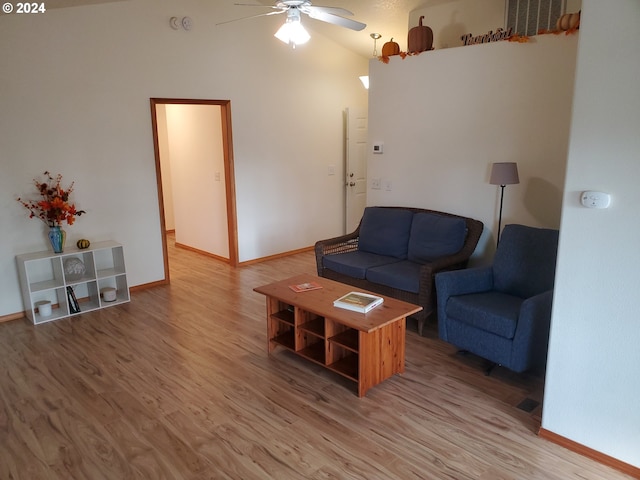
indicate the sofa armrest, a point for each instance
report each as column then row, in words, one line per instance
column 459, row 282
column 531, row 339
column 330, row 246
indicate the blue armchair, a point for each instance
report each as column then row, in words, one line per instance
column 502, row 312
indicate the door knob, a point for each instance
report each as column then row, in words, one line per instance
column 351, row 174
column 352, row 184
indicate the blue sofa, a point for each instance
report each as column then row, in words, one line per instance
column 396, row 251
column 502, row 312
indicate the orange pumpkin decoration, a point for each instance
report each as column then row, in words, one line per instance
column 420, row 38
column 568, row 21
column 574, row 21
column 390, row 48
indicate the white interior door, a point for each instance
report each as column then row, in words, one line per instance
column 355, row 166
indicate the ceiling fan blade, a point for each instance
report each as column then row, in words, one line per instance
column 256, row 5
column 332, row 10
column 336, row 20
column 251, row 16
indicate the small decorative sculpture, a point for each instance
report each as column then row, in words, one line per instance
column 74, row 268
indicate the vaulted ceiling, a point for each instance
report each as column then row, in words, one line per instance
column 390, row 18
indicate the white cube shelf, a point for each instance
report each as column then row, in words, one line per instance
column 43, row 277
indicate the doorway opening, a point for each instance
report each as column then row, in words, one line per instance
column 213, row 177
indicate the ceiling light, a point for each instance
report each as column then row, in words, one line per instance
column 292, row 32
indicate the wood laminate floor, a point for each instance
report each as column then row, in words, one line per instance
column 177, row 384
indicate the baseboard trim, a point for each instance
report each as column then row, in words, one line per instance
column 590, row 453
column 12, row 316
column 202, row 252
column 145, row 286
column 277, row 255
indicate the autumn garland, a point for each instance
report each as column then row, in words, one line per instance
column 513, row 38
column 54, row 207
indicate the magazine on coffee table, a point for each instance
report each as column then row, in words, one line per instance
column 305, row 287
column 358, row 302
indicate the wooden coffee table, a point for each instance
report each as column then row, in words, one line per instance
column 366, row 348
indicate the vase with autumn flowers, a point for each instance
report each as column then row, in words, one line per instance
column 53, row 208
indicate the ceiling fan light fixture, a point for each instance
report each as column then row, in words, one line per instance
column 292, row 31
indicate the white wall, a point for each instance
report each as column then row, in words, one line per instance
column 444, row 116
column 573, row 6
column 197, row 177
column 74, row 98
column 592, row 384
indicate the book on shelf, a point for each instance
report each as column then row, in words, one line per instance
column 305, row 287
column 74, row 306
column 358, row 302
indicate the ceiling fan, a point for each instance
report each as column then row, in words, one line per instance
column 292, row 31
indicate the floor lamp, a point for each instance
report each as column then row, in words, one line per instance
column 503, row 174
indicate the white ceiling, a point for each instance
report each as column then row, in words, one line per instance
column 390, row 18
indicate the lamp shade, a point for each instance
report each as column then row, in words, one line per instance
column 504, row 173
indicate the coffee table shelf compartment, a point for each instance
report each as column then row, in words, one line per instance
column 310, row 339
column 282, row 312
column 315, row 352
column 312, row 323
column 281, row 325
column 286, row 339
column 347, row 367
column 347, row 339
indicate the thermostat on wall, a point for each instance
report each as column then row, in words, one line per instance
column 377, row 147
column 592, row 199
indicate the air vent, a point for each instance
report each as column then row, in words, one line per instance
column 528, row 17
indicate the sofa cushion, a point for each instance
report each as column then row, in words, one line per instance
column 493, row 312
column 355, row 264
column 434, row 236
column 385, row 231
column 404, row 275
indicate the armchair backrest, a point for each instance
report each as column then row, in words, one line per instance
column 525, row 261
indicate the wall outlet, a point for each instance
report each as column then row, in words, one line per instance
column 376, row 183
column 388, row 185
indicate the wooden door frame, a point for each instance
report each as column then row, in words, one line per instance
column 229, row 175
